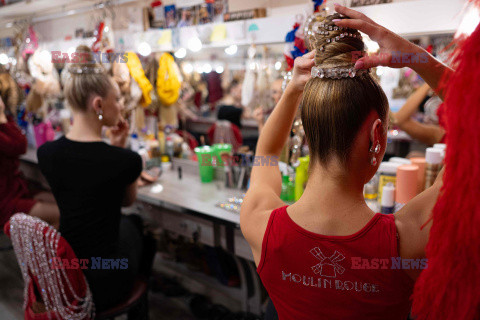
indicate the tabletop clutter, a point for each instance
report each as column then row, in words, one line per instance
column 399, row 180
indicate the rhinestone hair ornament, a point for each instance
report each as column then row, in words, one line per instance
column 337, row 73
column 325, row 29
column 86, row 70
column 308, row 31
column 36, row 244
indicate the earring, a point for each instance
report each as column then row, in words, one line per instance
column 375, row 151
column 100, row 115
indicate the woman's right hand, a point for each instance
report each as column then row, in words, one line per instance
column 302, row 71
column 119, row 134
column 395, row 51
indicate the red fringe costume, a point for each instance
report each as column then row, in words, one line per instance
column 450, row 287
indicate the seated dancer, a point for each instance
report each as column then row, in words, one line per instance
column 92, row 180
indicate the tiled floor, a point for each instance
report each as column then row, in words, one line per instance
column 11, row 296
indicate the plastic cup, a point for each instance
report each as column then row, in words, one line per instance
column 205, row 163
column 221, row 149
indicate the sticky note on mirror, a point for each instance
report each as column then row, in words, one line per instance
column 166, row 37
column 219, row 33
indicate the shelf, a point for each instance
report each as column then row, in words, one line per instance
column 267, row 30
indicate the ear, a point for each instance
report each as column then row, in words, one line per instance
column 376, row 132
column 97, row 104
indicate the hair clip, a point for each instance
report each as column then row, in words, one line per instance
column 344, row 35
column 86, row 70
column 337, row 73
column 331, row 27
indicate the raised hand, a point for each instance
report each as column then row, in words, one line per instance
column 395, row 51
column 302, row 71
column 119, row 134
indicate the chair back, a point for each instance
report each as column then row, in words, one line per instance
column 55, row 287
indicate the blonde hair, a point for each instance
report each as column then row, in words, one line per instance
column 86, row 79
column 333, row 110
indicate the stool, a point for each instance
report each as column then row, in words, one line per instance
column 136, row 304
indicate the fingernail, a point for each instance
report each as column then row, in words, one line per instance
column 336, row 20
column 359, row 64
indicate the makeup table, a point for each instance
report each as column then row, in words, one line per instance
column 190, row 207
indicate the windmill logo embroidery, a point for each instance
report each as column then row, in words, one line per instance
column 328, row 266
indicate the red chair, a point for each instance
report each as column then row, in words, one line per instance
column 36, row 244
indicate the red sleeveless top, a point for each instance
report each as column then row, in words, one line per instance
column 312, row 276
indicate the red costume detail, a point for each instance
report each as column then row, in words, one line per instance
column 448, row 288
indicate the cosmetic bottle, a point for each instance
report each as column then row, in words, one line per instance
column 301, row 176
column 434, row 159
column 388, row 199
column 387, row 172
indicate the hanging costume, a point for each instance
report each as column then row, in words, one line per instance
column 168, row 89
column 168, row 83
column 137, row 73
column 140, row 82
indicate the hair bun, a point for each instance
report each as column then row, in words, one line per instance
column 336, row 47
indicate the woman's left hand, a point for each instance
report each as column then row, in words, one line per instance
column 119, row 134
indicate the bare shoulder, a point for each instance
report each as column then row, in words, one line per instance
column 255, row 213
column 414, row 221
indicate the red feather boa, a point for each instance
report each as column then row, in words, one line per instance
column 450, row 287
